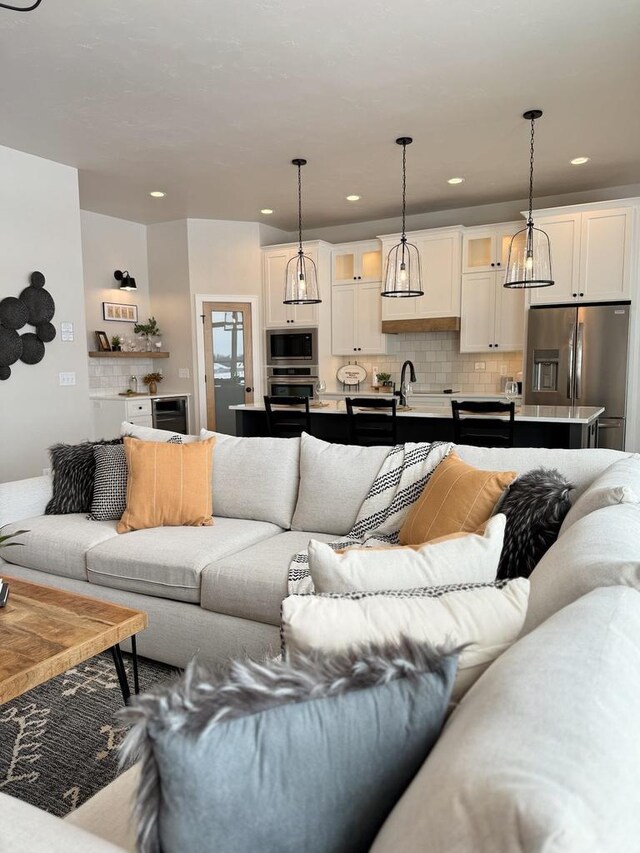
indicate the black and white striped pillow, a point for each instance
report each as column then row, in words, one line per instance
column 110, row 484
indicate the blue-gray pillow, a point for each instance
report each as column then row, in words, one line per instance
column 307, row 755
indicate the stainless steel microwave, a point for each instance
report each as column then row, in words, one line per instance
column 292, row 346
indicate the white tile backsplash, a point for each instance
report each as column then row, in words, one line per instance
column 439, row 364
column 112, row 376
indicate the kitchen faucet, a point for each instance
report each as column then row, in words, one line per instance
column 402, row 394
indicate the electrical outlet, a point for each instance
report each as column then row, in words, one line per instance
column 67, row 378
column 183, row 372
column 480, row 365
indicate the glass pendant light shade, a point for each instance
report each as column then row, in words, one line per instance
column 301, row 281
column 529, row 263
column 301, row 274
column 402, row 274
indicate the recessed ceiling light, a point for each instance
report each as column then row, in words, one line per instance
column 580, row 161
column 266, row 211
column 157, row 194
column 353, row 198
column 455, row 181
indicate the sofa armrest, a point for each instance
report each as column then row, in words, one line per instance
column 27, row 829
column 24, row 498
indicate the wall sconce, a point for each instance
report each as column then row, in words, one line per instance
column 127, row 282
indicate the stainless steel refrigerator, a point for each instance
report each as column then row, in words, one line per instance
column 577, row 356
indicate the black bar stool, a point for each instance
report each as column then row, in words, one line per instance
column 372, row 427
column 483, row 432
column 287, row 417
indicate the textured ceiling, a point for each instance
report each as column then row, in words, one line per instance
column 210, row 99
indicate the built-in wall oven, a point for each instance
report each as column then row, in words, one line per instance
column 292, row 380
column 292, row 346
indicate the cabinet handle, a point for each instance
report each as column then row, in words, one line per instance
column 498, row 264
column 490, row 345
column 496, row 346
column 574, row 295
column 359, row 277
column 493, row 265
column 582, row 294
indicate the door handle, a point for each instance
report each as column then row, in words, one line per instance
column 248, row 390
column 570, row 364
column 579, row 349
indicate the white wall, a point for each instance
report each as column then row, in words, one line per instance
column 40, row 230
column 110, row 244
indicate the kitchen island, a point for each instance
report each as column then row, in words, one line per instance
column 535, row 426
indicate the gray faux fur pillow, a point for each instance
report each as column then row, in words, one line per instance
column 535, row 505
column 305, row 755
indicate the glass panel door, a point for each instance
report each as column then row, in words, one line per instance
column 229, row 365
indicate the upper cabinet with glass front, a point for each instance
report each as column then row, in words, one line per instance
column 486, row 248
column 361, row 261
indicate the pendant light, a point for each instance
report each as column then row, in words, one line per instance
column 402, row 275
column 529, row 263
column 301, row 275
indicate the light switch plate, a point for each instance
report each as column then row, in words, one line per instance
column 183, row 372
column 67, row 378
column 66, row 332
column 480, row 365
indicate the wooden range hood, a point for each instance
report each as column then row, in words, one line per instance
column 430, row 324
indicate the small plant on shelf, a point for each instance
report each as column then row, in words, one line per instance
column 116, row 343
column 148, row 330
column 384, row 379
column 151, row 381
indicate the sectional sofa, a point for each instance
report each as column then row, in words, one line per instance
column 543, row 752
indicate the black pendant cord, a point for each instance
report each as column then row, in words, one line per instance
column 530, row 220
column 404, row 191
column 21, row 8
column 300, row 252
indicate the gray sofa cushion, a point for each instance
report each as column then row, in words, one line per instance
column 58, row 543
column 253, row 582
column 167, row 561
column 619, row 483
column 580, row 467
column 255, row 478
column 334, row 481
column 543, row 752
column 601, row 549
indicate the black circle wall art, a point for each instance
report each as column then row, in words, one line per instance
column 10, row 346
column 32, row 348
column 46, row 332
column 36, row 307
column 13, row 313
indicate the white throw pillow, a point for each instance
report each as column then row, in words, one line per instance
column 150, row 434
column 460, row 558
column 486, row 618
column 602, row 549
column 618, row 484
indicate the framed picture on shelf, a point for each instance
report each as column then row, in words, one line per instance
column 102, row 341
column 120, row 312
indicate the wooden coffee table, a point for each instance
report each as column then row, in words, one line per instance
column 44, row 631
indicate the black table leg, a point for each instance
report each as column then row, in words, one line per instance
column 121, row 672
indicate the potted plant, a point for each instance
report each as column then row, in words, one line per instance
column 151, row 381
column 385, row 380
column 116, row 343
column 148, row 330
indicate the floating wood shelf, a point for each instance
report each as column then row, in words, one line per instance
column 155, row 354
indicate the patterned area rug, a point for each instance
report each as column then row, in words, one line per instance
column 59, row 742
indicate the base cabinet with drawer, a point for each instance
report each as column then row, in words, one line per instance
column 108, row 413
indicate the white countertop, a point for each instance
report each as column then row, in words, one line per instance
column 120, row 397
column 545, row 414
column 419, row 395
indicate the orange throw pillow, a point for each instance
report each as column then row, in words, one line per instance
column 457, row 499
column 167, row 484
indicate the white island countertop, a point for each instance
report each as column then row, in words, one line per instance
column 544, row 414
column 120, row 397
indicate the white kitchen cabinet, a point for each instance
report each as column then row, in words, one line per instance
column 605, row 254
column 440, row 262
column 276, row 313
column 492, row 316
column 486, row 248
column 356, row 319
column 590, row 256
column 359, row 261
